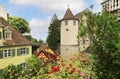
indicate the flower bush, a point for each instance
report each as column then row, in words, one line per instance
column 77, row 67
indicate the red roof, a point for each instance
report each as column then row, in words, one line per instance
column 51, row 55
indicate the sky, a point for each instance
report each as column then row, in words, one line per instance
column 40, row 12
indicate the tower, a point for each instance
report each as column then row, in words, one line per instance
column 69, row 32
column 69, row 29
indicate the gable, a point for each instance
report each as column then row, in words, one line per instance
column 42, row 55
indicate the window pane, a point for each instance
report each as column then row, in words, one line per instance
column 66, row 22
column 23, row 51
column 5, row 54
column 74, row 22
column 7, row 34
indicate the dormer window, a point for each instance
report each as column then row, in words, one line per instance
column 7, row 34
column 66, row 22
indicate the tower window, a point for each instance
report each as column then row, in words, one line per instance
column 66, row 22
column 74, row 22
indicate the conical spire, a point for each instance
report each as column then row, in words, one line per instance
column 68, row 14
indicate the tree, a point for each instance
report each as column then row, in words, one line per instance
column 19, row 24
column 53, row 38
column 104, row 32
column 33, row 40
column 41, row 41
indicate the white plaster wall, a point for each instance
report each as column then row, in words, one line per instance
column 69, row 37
column 3, row 12
column 68, row 52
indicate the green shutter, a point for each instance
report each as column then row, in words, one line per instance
column 1, row 54
column 0, row 35
column 27, row 50
column 13, row 52
column 18, row 52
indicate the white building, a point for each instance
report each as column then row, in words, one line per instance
column 3, row 12
column 112, row 6
column 69, row 30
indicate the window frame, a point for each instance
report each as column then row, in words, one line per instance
column 7, row 53
column 74, row 22
column 7, row 34
column 22, row 51
column 66, row 22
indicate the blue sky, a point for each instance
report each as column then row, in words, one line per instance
column 39, row 12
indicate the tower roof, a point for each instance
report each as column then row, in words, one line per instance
column 68, row 15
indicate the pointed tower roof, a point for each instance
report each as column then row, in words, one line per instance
column 68, row 15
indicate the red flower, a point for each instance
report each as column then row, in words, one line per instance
column 56, row 69
column 70, row 65
column 63, row 65
column 52, row 67
column 73, row 70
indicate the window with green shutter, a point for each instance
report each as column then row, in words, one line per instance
column 22, row 51
column 1, row 54
column 7, row 53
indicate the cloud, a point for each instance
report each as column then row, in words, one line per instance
column 39, row 27
column 52, row 6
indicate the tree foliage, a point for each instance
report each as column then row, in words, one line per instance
column 41, row 41
column 104, row 32
column 53, row 38
column 33, row 40
column 19, row 24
